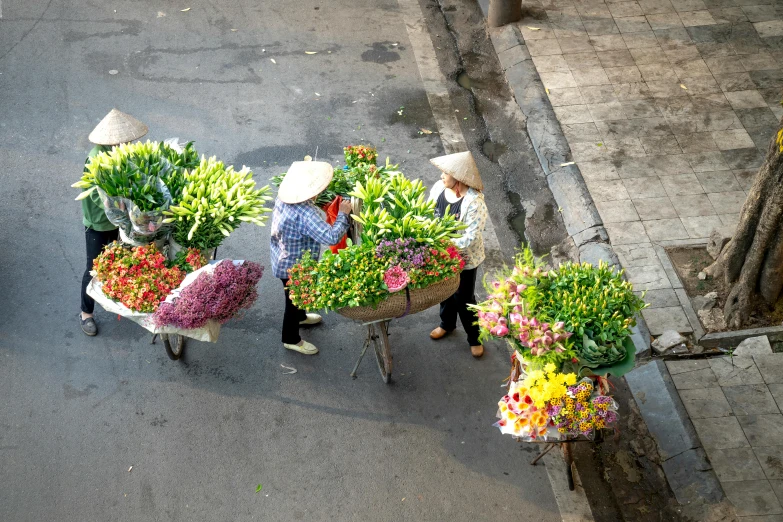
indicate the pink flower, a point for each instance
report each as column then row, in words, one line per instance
column 395, row 278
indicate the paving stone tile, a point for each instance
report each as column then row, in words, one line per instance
column 641, row 109
column 656, row 6
column 735, row 81
column 705, row 403
column 621, row 9
column 701, row 226
column 676, row 106
column 743, row 158
column 606, row 111
column 673, row 165
column 707, row 161
column 728, row 202
column 665, row 89
column 623, row 148
column 593, row 11
column 730, row 222
column 771, row 459
column 513, row 56
column 629, row 168
column 573, row 114
column 719, row 432
column 725, row 64
column 569, row 96
column 590, row 76
column 651, row 277
column 632, row 91
column 745, row 178
column 778, row 111
column 660, row 145
column 599, row 27
column 732, row 139
column 640, row 40
column 728, row 15
column 619, row 58
column 769, row 28
column 692, row 69
column 660, row 298
column 767, row 79
column 761, row 116
column 696, row 142
column 655, row 208
column 588, row 151
column 665, row 229
column 753, row 497
column 718, row 33
column 529, row 31
column 760, row 13
column 686, row 365
column 748, row 99
column 681, row 185
column 762, row 430
column 656, row 72
column 598, row 170
column 683, row 54
column 751, row 399
column 637, row 255
column 598, row 93
column 777, row 393
column 648, row 55
column 759, row 62
column 735, row 371
column 626, row 233
column 771, row 367
column 693, row 18
column 688, row 5
column 632, row 24
column 735, row 464
column 713, row 49
column 547, row 46
column 552, row 63
column 722, row 181
column 576, row 44
column 663, row 21
column 669, row 318
column 557, row 79
column 607, row 190
column 716, row 121
column 581, row 132
column 608, row 42
column 693, row 205
column 709, row 102
column 582, row 60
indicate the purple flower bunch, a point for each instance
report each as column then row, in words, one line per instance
column 220, row 295
column 407, row 253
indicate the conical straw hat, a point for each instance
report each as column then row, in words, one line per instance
column 461, row 167
column 117, row 127
column 305, row 180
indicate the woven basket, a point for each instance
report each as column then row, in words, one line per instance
column 395, row 305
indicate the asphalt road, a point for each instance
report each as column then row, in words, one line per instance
column 201, row 434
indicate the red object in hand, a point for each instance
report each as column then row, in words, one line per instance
column 332, row 210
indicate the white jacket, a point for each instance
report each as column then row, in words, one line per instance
column 474, row 214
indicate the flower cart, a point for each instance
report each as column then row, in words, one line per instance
column 570, row 330
column 173, row 211
column 400, row 262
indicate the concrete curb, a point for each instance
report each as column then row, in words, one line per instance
column 580, row 215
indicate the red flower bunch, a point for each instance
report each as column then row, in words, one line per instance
column 358, row 154
column 136, row 277
column 454, row 254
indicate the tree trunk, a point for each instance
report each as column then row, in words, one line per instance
column 502, row 12
column 751, row 264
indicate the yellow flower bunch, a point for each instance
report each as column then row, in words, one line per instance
column 548, row 384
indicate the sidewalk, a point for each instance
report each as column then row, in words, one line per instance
column 666, row 109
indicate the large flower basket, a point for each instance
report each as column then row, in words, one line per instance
column 403, row 303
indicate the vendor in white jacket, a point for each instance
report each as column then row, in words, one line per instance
column 459, row 189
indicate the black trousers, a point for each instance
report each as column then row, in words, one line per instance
column 95, row 242
column 291, row 319
column 457, row 305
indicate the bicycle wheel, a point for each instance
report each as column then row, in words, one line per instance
column 175, row 345
column 380, row 340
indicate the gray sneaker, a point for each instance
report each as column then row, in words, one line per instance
column 88, row 326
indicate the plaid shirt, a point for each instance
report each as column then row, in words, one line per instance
column 297, row 228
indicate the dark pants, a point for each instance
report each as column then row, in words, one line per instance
column 456, row 305
column 291, row 319
column 95, row 242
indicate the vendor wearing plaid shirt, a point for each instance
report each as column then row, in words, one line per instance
column 297, row 227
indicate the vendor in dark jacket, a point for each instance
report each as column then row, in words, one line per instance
column 114, row 129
